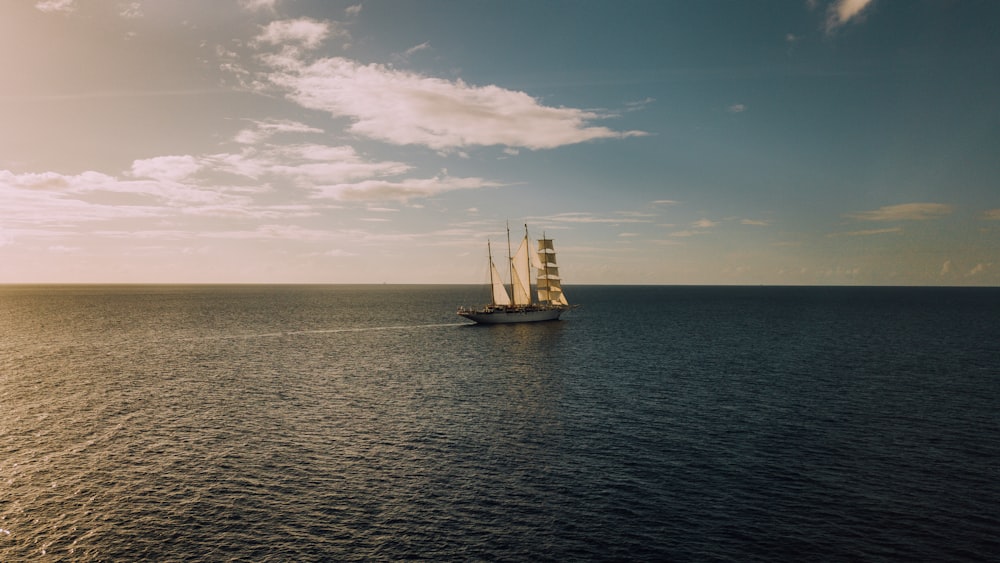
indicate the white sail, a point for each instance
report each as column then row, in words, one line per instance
column 549, row 284
column 521, row 273
column 560, row 299
column 500, row 296
column 536, row 262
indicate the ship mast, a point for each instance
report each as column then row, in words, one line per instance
column 545, row 273
column 489, row 252
column 527, row 260
column 510, row 260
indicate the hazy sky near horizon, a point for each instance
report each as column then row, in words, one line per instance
column 294, row 141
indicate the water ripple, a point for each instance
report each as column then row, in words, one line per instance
column 313, row 424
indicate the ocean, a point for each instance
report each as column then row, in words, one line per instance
column 341, row 423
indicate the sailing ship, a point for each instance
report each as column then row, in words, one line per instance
column 517, row 306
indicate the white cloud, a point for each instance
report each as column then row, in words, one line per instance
column 843, row 11
column 53, row 181
column 274, row 231
column 308, row 165
column 415, row 49
column 337, row 253
column 406, row 108
column 353, row 10
column 638, row 105
column 867, row 232
column 170, row 168
column 755, row 222
column 303, row 32
column 266, row 128
column 259, row 5
column 399, row 190
column 977, row 269
column 163, row 187
column 704, row 224
column 577, row 217
column 737, row 108
column 904, row 212
column 47, row 199
column 51, row 6
column 131, row 10
column 946, row 268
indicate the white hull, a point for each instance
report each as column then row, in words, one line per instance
column 491, row 316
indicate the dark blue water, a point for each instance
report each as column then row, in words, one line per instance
column 294, row 423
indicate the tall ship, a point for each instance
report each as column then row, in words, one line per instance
column 517, row 305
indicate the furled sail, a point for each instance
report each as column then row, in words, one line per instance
column 521, row 273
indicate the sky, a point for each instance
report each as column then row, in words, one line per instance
column 799, row 142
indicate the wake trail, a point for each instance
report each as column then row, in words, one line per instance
column 286, row 333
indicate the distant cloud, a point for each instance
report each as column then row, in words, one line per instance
column 755, row 222
column 699, row 227
column 399, row 190
column 41, row 200
column 353, row 10
column 686, row 233
column 577, row 217
column 417, row 48
column 170, row 168
column 404, row 57
column 867, row 232
column 737, row 108
column 309, row 166
column 52, row 6
column 949, row 270
column 175, row 187
column 666, row 202
column 338, row 253
column 275, row 231
column 843, row 11
column 904, row 212
column 638, row 105
column 131, row 10
column 406, row 108
column 264, row 129
column 259, row 5
column 992, row 215
column 635, row 214
column 303, row 32
column 977, row 269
